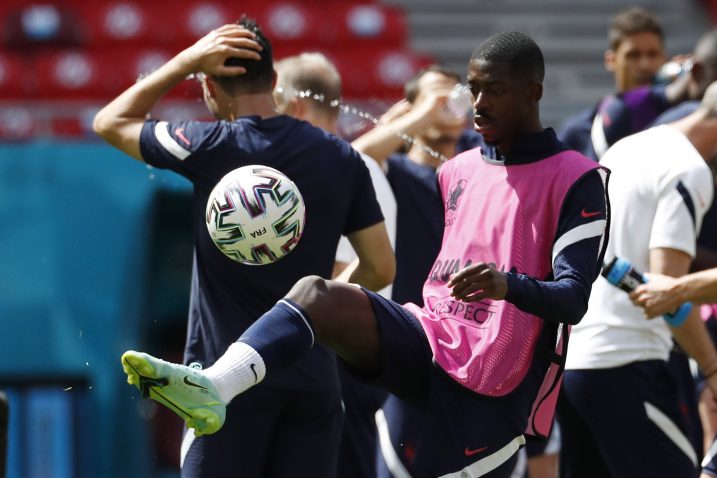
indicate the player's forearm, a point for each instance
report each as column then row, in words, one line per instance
column 564, row 301
column 138, row 100
column 698, row 288
column 384, row 140
column 373, row 277
column 693, row 338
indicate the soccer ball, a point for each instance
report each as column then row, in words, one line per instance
column 255, row 215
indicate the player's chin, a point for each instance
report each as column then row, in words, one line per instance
column 489, row 131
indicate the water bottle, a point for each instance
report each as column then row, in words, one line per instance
column 620, row 273
column 672, row 70
column 460, row 102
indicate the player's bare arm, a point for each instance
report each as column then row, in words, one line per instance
column 692, row 334
column 664, row 294
column 375, row 267
column 120, row 122
column 386, row 138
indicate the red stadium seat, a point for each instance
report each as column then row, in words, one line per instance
column 290, row 22
column 15, row 80
column 369, row 24
column 119, row 21
column 17, row 123
column 37, row 24
column 75, row 74
column 379, row 74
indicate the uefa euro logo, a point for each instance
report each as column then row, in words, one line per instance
column 452, row 199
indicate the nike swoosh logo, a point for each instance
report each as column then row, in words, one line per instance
column 474, row 452
column 586, row 214
column 180, row 134
column 192, row 384
column 256, row 377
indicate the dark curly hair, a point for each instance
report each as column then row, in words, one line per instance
column 516, row 49
column 259, row 73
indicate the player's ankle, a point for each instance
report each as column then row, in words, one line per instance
column 240, row 368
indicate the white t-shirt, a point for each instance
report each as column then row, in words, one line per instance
column 660, row 189
column 387, row 201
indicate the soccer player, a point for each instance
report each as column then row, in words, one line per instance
column 524, row 237
column 635, row 55
column 616, row 372
column 313, row 72
column 291, row 423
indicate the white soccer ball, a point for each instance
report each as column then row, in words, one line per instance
column 255, row 215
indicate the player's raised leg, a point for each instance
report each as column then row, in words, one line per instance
column 336, row 314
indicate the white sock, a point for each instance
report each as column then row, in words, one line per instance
column 240, row 368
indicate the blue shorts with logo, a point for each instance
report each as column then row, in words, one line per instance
column 438, row 427
column 623, row 422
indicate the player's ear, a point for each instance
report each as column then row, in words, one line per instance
column 297, row 107
column 535, row 91
column 609, row 60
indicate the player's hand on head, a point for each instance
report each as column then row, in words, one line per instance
column 657, row 296
column 209, row 54
column 477, row 282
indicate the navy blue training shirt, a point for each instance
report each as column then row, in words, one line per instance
column 419, row 225
column 622, row 114
column 226, row 296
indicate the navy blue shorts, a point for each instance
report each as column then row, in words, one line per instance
column 623, row 422
column 270, row 433
column 357, row 452
column 435, row 425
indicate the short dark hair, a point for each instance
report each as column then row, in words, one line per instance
column 516, row 49
column 630, row 22
column 410, row 89
column 259, row 73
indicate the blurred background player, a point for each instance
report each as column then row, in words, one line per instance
column 617, row 370
column 314, row 72
column 297, row 411
column 635, row 56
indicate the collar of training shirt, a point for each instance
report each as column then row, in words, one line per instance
column 527, row 148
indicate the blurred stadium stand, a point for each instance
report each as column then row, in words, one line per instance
column 59, row 59
column 572, row 34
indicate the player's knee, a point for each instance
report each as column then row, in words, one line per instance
column 309, row 291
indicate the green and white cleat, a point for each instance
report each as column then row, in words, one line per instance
column 184, row 390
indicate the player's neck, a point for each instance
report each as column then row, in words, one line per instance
column 261, row 104
column 505, row 147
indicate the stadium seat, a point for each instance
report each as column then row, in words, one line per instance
column 119, row 21
column 379, row 74
column 365, row 24
column 15, row 80
column 17, row 123
column 290, row 22
column 76, row 74
column 37, row 24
